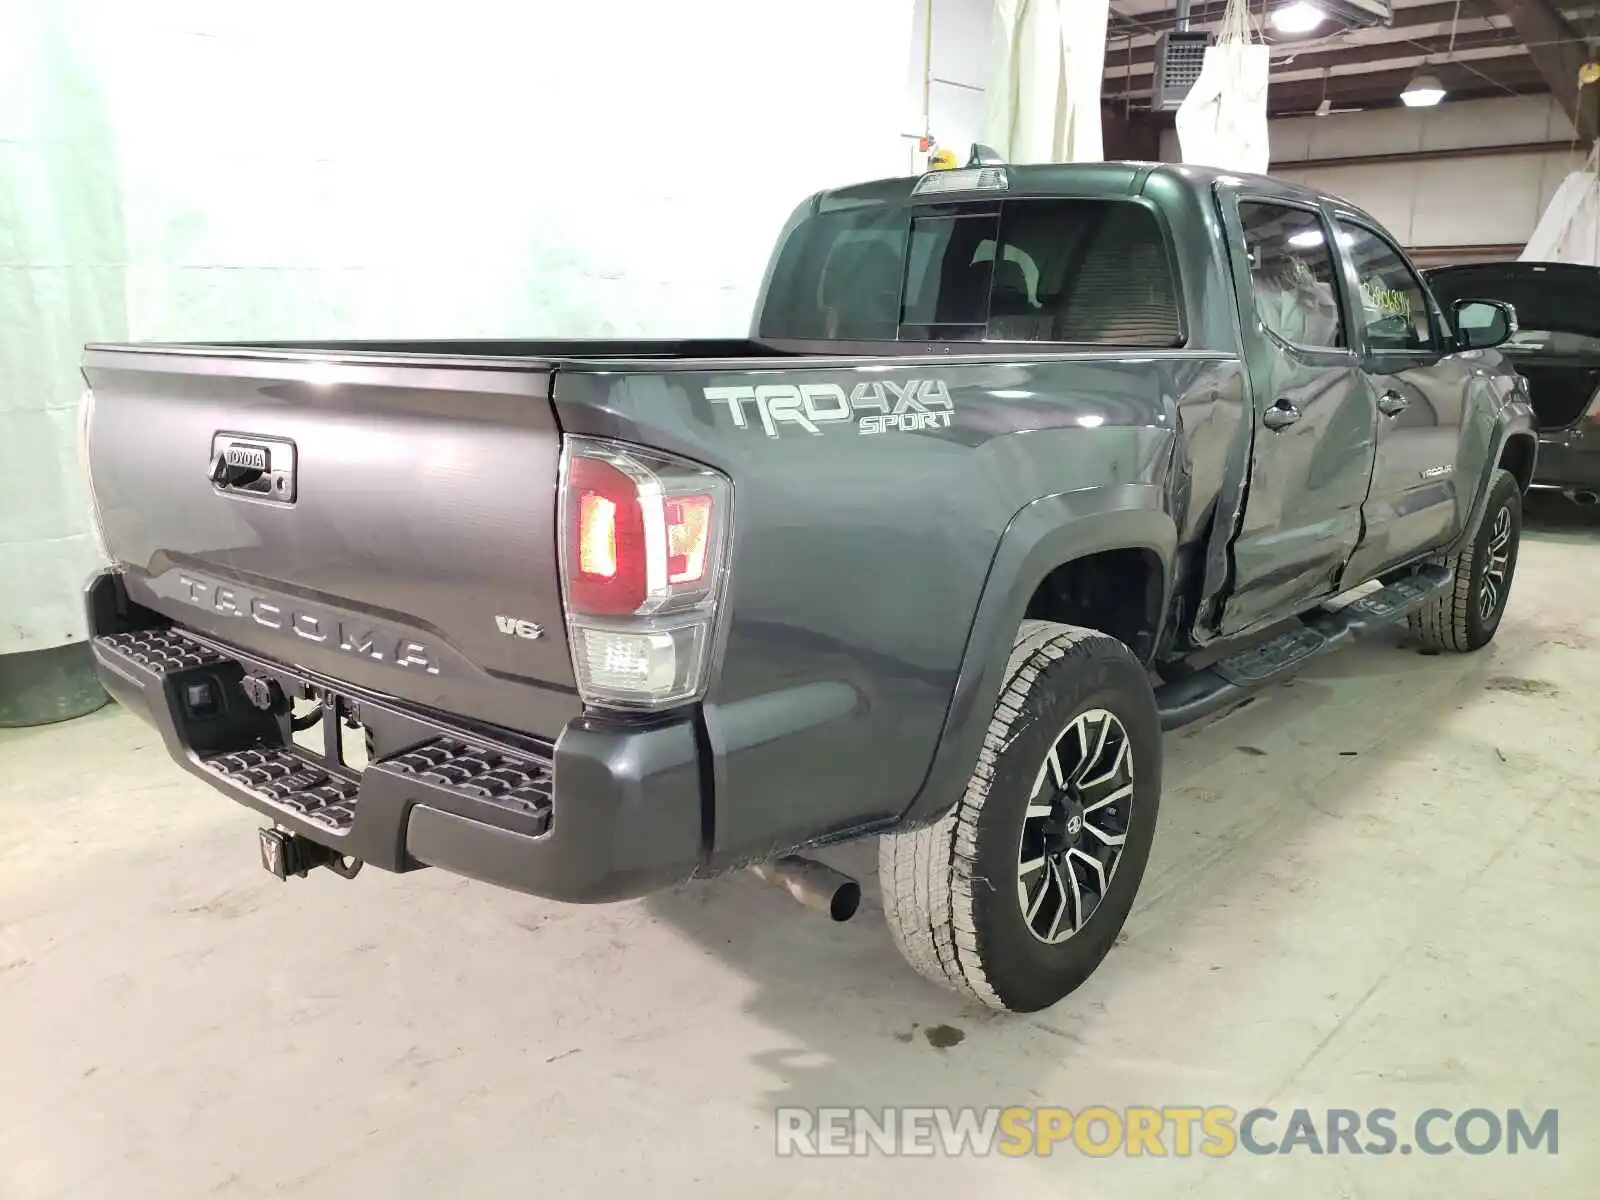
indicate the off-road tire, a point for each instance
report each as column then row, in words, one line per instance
column 1454, row 619
column 950, row 890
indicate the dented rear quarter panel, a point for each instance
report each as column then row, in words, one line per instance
column 861, row 559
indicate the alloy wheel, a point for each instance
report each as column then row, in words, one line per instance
column 1492, row 592
column 1075, row 826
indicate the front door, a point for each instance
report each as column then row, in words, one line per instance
column 1311, row 458
column 1419, row 389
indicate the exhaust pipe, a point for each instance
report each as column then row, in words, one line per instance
column 814, row 884
column 1582, row 497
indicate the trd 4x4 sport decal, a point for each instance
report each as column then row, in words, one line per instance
column 878, row 407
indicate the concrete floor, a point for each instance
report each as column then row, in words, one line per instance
column 1375, row 887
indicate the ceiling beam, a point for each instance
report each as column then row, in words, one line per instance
column 1291, row 102
column 1507, row 74
column 1304, row 105
column 1142, row 64
column 1420, row 156
column 1456, row 77
column 1558, row 51
column 1383, row 88
column 1211, row 11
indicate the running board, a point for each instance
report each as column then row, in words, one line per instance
column 1231, row 680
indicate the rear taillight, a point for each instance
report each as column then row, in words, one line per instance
column 643, row 552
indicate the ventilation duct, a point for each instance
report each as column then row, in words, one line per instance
column 1180, row 53
column 1222, row 122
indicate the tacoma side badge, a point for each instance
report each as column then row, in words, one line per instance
column 516, row 627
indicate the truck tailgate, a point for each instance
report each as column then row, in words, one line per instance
column 400, row 537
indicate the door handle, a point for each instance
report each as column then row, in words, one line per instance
column 1392, row 404
column 1280, row 416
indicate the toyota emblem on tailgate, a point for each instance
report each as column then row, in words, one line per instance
column 253, row 468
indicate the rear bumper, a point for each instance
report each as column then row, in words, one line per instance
column 605, row 813
column 1569, row 458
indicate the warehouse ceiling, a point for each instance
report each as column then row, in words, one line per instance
column 1477, row 48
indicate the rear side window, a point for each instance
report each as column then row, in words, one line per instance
column 1292, row 274
column 1075, row 271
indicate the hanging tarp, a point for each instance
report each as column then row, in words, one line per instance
column 1222, row 122
column 1569, row 230
column 1046, row 70
column 62, row 250
column 199, row 171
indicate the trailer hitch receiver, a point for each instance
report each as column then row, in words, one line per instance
column 284, row 853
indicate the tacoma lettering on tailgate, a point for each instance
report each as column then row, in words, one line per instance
column 360, row 638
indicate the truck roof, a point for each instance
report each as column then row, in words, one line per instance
column 1098, row 179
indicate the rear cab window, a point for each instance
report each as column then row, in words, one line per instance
column 1075, row 271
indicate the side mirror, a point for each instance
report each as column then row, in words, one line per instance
column 1482, row 324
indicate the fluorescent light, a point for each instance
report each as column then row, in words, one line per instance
column 1423, row 91
column 1306, row 238
column 1297, row 17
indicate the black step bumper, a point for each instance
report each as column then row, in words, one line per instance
column 605, row 813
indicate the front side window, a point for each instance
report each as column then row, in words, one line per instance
column 1292, row 274
column 1392, row 303
column 1093, row 272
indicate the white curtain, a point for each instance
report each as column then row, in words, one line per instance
column 187, row 169
column 62, row 255
column 1046, row 69
column 1222, row 122
column 1569, row 230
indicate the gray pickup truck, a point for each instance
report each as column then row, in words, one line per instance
column 1019, row 467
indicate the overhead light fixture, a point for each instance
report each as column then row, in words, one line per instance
column 1297, row 17
column 1424, row 91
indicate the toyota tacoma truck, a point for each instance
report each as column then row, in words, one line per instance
column 1019, row 466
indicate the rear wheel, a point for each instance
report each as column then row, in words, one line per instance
column 1016, row 895
column 1467, row 616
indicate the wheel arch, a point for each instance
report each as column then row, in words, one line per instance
column 1513, row 435
column 1519, row 455
column 1126, row 527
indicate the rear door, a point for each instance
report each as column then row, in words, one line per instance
column 1311, row 457
column 1420, row 392
column 387, row 522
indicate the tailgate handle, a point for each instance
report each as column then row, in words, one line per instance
column 225, row 472
column 257, row 468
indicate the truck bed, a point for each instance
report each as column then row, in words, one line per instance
column 423, row 525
